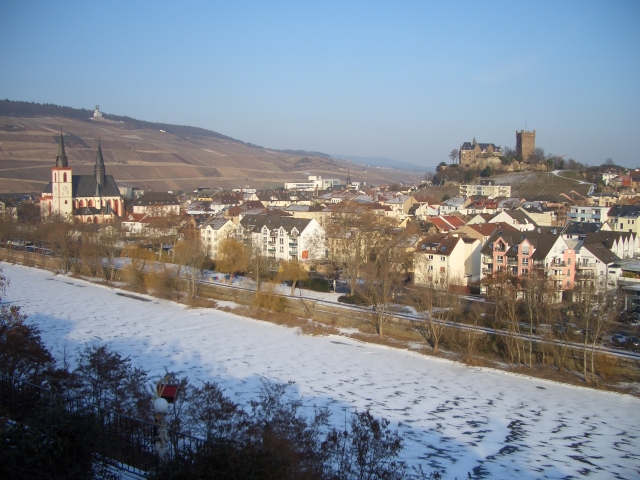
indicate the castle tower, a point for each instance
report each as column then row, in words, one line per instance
column 61, row 184
column 525, row 144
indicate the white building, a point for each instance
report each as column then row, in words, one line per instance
column 445, row 259
column 283, row 238
column 213, row 232
column 316, row 182
column 486, row 188
column 591, row 214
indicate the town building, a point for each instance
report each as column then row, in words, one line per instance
column 528, row 253
column 625, row 218
column 590, row 214
column 157, row 204
column 446, row 260
column 81, row 198
column 283, row 238
column 315, row 183
column 213, row 232
column 486, row 188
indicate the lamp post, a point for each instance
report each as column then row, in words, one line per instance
column 165, row 393
column 161, row 436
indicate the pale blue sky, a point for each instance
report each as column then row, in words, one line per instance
column 406, row 80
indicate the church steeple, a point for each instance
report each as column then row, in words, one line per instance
column 99, row 169
column 61, row 158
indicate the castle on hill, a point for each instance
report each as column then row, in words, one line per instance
column 471, row 151
column 81, row 198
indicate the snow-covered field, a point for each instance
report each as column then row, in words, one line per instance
column 453, row 418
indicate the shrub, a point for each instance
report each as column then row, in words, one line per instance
column 355, row 299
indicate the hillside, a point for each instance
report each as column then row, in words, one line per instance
column 524, row 184
column 154, row 156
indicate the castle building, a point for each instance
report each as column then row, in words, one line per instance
column 470, row 151
column 525, row 144
column 81, row 198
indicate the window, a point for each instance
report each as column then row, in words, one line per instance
column 525, row 270
column 500, row 259
column 281, row 241
column 442, row 259
column 430, row 268
column 525, row 261
column 525, row 249
column 430, row 257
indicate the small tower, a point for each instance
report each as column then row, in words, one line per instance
column 61, row 184
column 525, row 144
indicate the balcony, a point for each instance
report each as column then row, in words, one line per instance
column 557, row 277
column 557, row 264
column 293, row 244
column 512, row 262
column 586, row 266
column 487, row 260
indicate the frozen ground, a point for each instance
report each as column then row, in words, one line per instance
column 453, row 418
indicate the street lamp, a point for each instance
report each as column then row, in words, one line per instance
column 165, row 393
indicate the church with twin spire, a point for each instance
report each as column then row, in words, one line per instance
column 81, row 198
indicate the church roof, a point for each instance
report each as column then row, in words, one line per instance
column 87, row 186
column 61, row 158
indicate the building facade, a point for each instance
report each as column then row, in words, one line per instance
column 486, row 188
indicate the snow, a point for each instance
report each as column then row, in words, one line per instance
column 454, row 418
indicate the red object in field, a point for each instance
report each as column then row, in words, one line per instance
column 168, row 392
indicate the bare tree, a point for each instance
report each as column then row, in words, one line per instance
column 294, row 272
column 383, row 273
column 454, row 155
column 352, row 233
column 537, row 298
column 258, row 265
column 436, row 306
column 109, row 241
column 596, row 307
column 233, row 256
column 190, row 254
column 60, row 236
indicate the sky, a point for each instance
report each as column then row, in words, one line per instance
column 405, row 80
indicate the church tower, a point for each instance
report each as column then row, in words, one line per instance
column 61, row 184
column 99, row 168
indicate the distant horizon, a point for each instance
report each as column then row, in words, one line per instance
column 409, row 81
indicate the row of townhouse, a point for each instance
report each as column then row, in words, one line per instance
column 564, row 259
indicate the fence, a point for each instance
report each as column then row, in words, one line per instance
column 123, row 442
